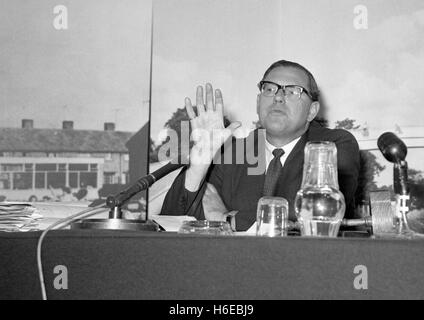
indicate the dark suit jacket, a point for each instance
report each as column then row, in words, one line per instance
column 241, row 191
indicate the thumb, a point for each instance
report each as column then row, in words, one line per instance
column 234, row 126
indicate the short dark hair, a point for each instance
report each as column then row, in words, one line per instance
column 313, row 87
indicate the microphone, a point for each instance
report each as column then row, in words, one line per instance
column 142, row 184
column 114, row 202
column 392, row 148
column 382, row 213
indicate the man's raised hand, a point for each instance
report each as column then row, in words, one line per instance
column 208, row 131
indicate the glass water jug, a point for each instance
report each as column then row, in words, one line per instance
column 319, row 204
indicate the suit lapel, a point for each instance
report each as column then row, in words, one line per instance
column 291, row 176
column 294, row 161
column 248, row 178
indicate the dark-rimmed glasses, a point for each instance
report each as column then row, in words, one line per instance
column 291, row 92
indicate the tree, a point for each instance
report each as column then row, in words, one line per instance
column 369, row 168
column 348, row 124
column 416, row 188
column 322, row 121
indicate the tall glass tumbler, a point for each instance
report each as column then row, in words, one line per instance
column 272, row 217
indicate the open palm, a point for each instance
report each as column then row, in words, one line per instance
column 208, row 129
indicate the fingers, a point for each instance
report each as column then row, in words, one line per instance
column 212, row 103
column 209, row 97
column 233, row 126
column 219, row 102
column 199, row 100
column 189, row 108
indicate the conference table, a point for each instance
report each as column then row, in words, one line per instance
column 119, row 264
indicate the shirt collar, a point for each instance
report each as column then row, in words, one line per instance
column 287, row 148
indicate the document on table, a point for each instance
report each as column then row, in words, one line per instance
column 16, row 216
column 249, row 232
column 171, row 223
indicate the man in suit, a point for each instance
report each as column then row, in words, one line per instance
column 287, row 105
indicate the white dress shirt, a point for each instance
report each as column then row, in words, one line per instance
column 287, row 149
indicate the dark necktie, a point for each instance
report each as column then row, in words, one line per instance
column 273, row 173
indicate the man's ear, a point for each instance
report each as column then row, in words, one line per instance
column 313, row 110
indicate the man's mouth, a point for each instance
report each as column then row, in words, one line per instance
column 276, row 111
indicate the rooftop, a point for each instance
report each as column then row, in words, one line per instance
column 63, row 140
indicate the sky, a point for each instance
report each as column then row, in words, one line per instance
column 226, row 43
column 371, row 75
column 98, row 69
column 95, row 71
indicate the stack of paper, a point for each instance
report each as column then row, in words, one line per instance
column 171, row 223
column 18, row 217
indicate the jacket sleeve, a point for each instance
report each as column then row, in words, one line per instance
column 180, row 201
column 348, row 163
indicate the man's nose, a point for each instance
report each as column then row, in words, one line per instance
column 279, row 96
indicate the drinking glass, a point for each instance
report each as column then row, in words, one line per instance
column 206, row 227
column 272, row 217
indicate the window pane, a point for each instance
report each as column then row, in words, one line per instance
column 40, row 180
column 78, row 167
column 73, row 180
column 22, row 180
column 89, row 178
column 29, row 167
column 62, row 166
column 11, row 167
column 4, row 181
column 56, row 179
column 108, row 177
column 93, row 167
column 45, row 167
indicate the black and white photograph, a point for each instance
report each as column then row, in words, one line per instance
column 219, row 152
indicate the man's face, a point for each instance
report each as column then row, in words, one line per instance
column 282, row 118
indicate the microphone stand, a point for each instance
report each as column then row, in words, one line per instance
column 401, row 190
column 115, row 220
column 395, row 151
column 115, row 202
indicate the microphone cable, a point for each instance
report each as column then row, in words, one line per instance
column 61, row 224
